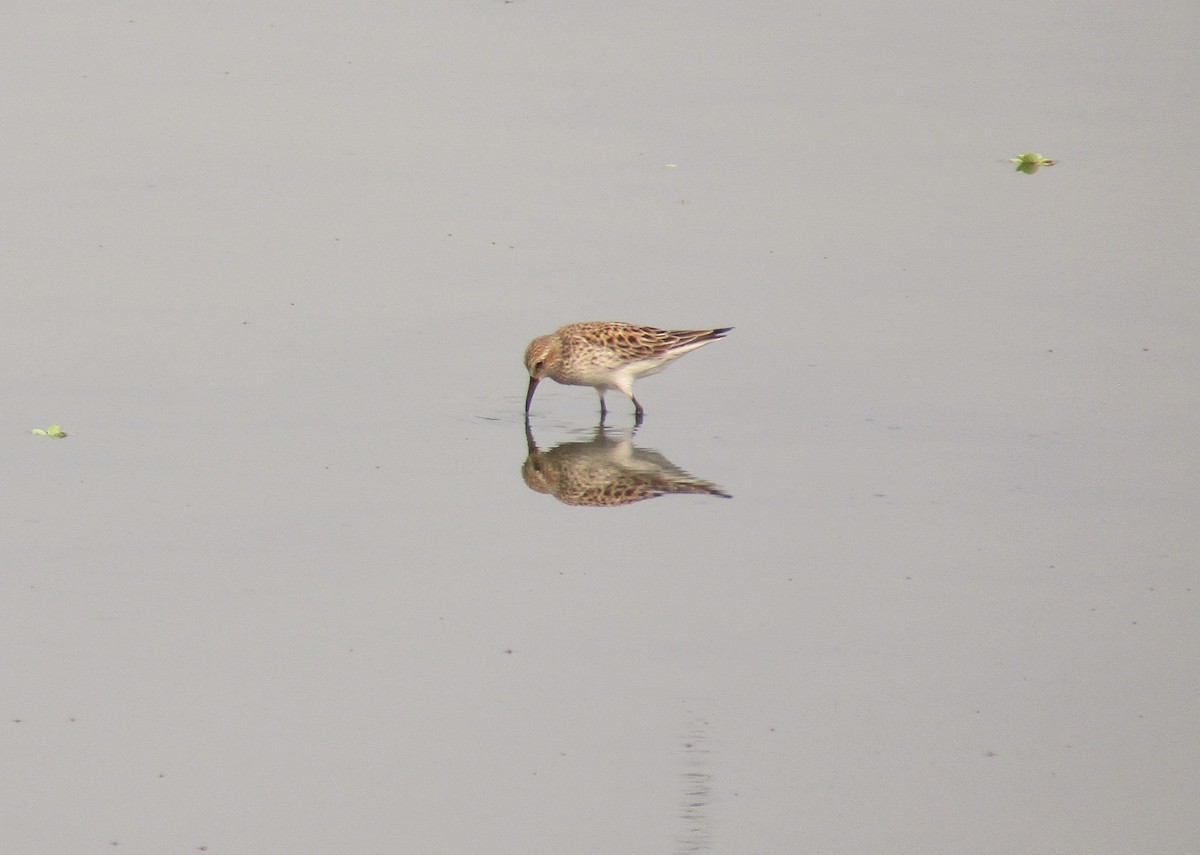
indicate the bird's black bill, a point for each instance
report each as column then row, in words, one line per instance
column 533, row 381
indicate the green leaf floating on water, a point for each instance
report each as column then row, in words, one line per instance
column 54, row 431
column 1030, row 162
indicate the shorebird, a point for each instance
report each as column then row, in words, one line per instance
column 608, row 355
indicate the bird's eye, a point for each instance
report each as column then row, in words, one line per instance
column 537, row 366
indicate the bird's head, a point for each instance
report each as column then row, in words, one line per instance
column 539, row 356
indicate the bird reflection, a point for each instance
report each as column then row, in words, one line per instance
column 606, row 471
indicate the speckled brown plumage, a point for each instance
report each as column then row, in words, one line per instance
column 608, row 355
column 606, row 472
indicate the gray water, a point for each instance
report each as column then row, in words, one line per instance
column 285, row 589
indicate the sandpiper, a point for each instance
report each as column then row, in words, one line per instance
column 608, row 355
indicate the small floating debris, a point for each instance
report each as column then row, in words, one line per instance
column 1030, row 162
column 54, row 431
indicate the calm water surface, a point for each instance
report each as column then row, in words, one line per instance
column 905, row 564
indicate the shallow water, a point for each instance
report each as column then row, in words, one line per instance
column 287, row 588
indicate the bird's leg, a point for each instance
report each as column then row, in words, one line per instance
column 603, row 408
column 638, row 412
